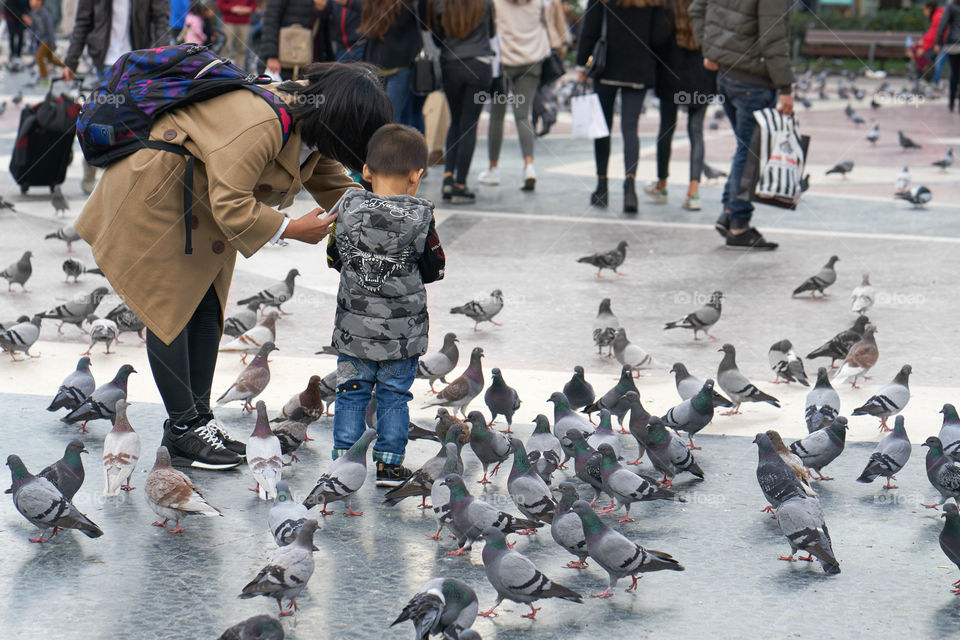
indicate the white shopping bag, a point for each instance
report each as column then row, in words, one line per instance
column 774, row 169
column 588, row 120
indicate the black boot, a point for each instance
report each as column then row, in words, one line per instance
column 629, row 196
column 600, row 196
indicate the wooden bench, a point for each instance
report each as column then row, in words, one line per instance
column 871, row 45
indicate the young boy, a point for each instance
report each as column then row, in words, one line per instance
column 386, row 248
column 42, row 26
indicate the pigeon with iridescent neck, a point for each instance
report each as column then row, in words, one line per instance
column 67, row 473
column 669, row 455
column 565, row 419
column 459, row 393
column 264, row 457
column 528, row 490
column 613, row 399
column 837, row 347
column 566, row 529
column 542, row 441
column 286, row 516
column 822, row 447
column 102, row 403
column 691, row 416
column 888, row 458
column 343, row 478
column 469, row 516
column 579, row 392
column 777, row 480
column 627, row 487
column 822, row 404
column 75, row 387
column 442, row 606
column 637, row 424
column 688, row 385
column 943, row 473
column 501, row 399
column 287, row 572
column 586, row 465
column 420, row 483
column 950, row 432
column 490, row 446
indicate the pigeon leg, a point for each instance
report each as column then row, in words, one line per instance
column 883, row 424
column 496, row 468
column 603, row 594
column 637, row 461
column 87, row 352
column 160, row 523
column 494, row 323
column 957, row 584
column 60, row 328
column 177, row 528
column 626, row 518
column 711, row 336
column 282, row 612
column 533, row 613
column 489, row 613
column 582, row 564
column 108, row 348
column 127, row 487
column 930, row 506
column 243, row 359
column 632, row 587
column 820, row 475
column 809, row 558
column 695, row 336
column 483, row 480
column 83, row 427
column 732, row 412
column 767, row 509
column 462, row 551
column 620, row 273
column 526, row 532
column 666, row 483
column 599, row 275
column 435, row 536
column 692, row 446
column 475, row 329
column 424, row 505
column 325, row 512
column 788, row 558
column 351, row 512
column 14, row 357
column 38, row 539
column 256, row 489
column 890, row 484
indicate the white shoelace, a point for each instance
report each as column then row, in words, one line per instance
column 210, row 436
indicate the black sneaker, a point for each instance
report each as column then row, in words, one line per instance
column 198, row 447
column 750, row 239
column 447, row 188
column 228, row 441
column 462, row 195
column 722, row 225
column 391, row 475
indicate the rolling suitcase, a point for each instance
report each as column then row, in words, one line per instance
column 44, row 146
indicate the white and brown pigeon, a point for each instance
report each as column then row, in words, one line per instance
column 252, row 380
column 172, row 496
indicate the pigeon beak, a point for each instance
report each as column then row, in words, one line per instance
column 84, row 450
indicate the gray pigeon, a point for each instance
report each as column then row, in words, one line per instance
column 482, row 310
column 605, row 328
column 501, row 399
column 440, row 497
column 436, row 366
column 786, row 363
column 918, row 196
column 172, row 496
column 619, row 556
column 286, row 574
column 18, row 272
column 823, row 401
column 68, row 234
column 579, row 392
column 443, row 606
column 889, row 457
column 822, row 447
column 59, row 202
column 74, row 269
column 564, row 419
column 950, row 432
column 459, row 393
column 102, row 330
column 260, row 627
column 242, row 321
column 542, row 441
column 943, row 473
column 274, row 295
column 67, row 473
column 701, row 319
column 126, row 320
column 516, row 578
column 491, row 447
column 945, row 161
column 292, row 432
column 586, row 466
column 604, row 435
column 343, row 478
column 824, row 278
column 43, row 505
column 637, row 425
column 613, row 399
column 691, row 416
column 252, row 380
column 801, row 520
column 420, row 483
column 668, row 453
column 889, row 400
column 20, row 337
column 566, row 529
column 626, row 487
column 286, row 516
column 874, row 134
column 777, row 480
column 736, row 385
column 102, row 403
column 607, row 260
column 950, row 539
column 469, row 516
column 544, row 464
column 837, row 347
column 688, row 385
column 77, row 310
column 628, row 353
column 529, row 491
column 843, row 168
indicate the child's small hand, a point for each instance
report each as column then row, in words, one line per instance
column 310, row 228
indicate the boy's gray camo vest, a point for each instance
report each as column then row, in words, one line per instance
column 381, row 304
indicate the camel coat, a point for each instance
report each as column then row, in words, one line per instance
column 134, row 218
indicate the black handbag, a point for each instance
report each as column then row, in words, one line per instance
column 551, row 70
column 597, row 61
column 424, row 75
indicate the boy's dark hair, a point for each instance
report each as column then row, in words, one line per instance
column 396, row 150
column 931, row 5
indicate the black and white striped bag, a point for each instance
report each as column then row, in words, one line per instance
column 774, row 168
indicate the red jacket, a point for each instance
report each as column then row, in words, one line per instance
column 927, row 41
column 229, row 17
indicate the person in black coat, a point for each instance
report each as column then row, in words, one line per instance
column 277, row 15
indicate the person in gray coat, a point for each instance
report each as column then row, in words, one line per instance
column 386, row 248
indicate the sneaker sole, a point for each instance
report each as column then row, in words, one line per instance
column 490, row 183
column 459, row 200
column 389, row 483
column 529, row 184
column 722, row 230
column 734, row 247
column 196, row 464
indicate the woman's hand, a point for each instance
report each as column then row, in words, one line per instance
column 310, row 228
column 273, row 65
column 710, row 65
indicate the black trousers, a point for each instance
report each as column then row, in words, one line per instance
column 954, row 59
column 466, row 84
column 631, row 103
column 183, row 370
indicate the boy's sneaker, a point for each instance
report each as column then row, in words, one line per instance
column 391, row 475
column 750, row 239
column 657, row 195
column 490, row 176
column 692, row 203
column 199, row 447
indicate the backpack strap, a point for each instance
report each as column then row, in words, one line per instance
column 187, row 186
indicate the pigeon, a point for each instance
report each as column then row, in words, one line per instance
column 20, row 337
column 692, row 415
column 126, row 321
column 102, row 403
column 605, row 328
column 874, row 134
column 907, row 143
column 501, row 399
column 343, row 478
column 440, row 496
column 420, row 483
column 18, row 98
column 950, row 432
column 74, row 269
column 860, row 359
column 445, row 422
column 826, row 277
column 68, row 234
column 950, row 539
column 839, row 345
column 286, row 516
column 9, row 323
column 482, row 310
column 608, row 260
column 60, row 204
column 255, row 338
column 945, row 161
column 263, row 456
column 43, row 505
column 616, row 554
column 903, row 180
column 67, row 474
column 668, row 453
column 544, row 464
column 736, row 385
column 529, row 491
column 516, row 578
column 786, row 363
column 613, row 399
column 566, row 528
column 778, row 481
column 861, row 300
column 101, row 330
column 459, row 393
column 843, row 168
column 578, row 391
column 793, row 461
column 75, row 387
column 604, row 435
column 822, row 447
column 889, row 457
column 172, row 496
column 242, row 321
column 889, row 400
column 19, row 272
column 917, row 196
column 252, row 380
column 310, row 401
column 490, row 446
column 822, row 401
column 586, row 465
column 713, row 174
column 436, row 366
column 77, row 310
column 627, row 353
column 637, row 424
column 287, row 571
column 565, row 419
column 701, row 319
column 260, row 627
column 121, row 450
column 542, row 441
column 292, row 432
column 469, row 517
column 274, row 295
column 442, row 606
column 801, row 520
column 689, row 385
column 943, row 473
column 626, row 487
column 328, row 390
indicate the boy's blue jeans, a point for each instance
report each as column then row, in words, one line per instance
column 357, row 380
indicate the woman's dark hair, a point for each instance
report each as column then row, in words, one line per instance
column 338, row 109
column 396, row 150
column 457, row 17
column 931, row 6
column 377, row 17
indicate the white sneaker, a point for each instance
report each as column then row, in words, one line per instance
column 529, row 178
column 657, row 195
column 692, row 203
column 491, row 177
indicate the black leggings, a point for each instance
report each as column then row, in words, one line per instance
column 668, row 124
column 183, row 370
column 954, row 76
column 631, row 103
column 15, row 32
column 466, row 84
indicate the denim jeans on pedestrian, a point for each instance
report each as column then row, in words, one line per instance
column 357, row 380
column 353, row 54
column 397, row 86
column 740, row 100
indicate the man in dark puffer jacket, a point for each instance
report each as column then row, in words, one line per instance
column 747, row 41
